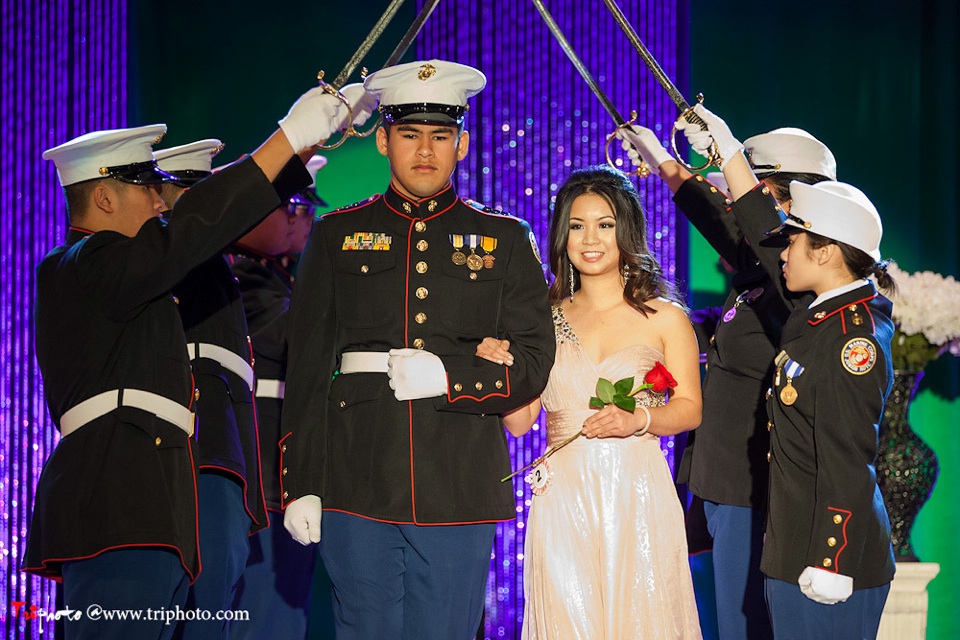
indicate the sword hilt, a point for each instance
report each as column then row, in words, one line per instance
column 641, row 171
column 691, row 116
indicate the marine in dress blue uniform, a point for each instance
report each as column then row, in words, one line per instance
column 410, row 488
column 725, row 459
column 115, row 515
column 276, row 583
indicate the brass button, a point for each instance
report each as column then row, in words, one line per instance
column 699, row 177
column 422, row 292
column 473, row 276
column 852, row 307
column 420, row 226
column 176, row 300
column 479, row 386
column 727, row 201
column 458, row 387
column 831, row 541
column 769, row 392
column 158, row 441
column 712, row 338
column 837, row 519
column 284, row 472
column 422, row 267
column 820, row 315
column 422, row 245
column 713, row 189
column 343, row 403
column 364, row 269
column 498, row 384
column 196, row 394
column 420, row 318
column 765, row 191
column 857, row 320
column 283, row 449
column 768, row 456
column 286, row 494
column 408, row 208
column 769, row 425
column 827, row 562
column 432, row 206
column 418, row 343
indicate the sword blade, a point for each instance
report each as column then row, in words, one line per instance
column 647, row 57
column 575, row 59
column 367, row 43
column 411, row 33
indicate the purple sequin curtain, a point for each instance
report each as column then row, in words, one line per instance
column 535, row 122
column 64, row 73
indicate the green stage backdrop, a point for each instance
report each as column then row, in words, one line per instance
column 876, row 80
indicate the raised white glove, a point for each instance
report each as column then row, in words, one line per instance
column 301, row 519
column 362, row 103
column 825, row 587
column 415, row 374
column 643, row 147
column 716, row 131
column 313, row 118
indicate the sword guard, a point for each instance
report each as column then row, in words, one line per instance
column 691, row 116
column 643, row 170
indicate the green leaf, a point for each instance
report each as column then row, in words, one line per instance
column 627, row 403
column 623, row 387
column 596, row 403
column 605, row 390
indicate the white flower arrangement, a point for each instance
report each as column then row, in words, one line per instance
column 926, row 310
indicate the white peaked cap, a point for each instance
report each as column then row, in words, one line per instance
column 425, row 91
column 125, row 154
column 838, row 211
column 790, row 150
column 196, row 156
column 313, row 165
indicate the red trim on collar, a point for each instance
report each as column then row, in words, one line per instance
column 815, row 321
column 81, row 230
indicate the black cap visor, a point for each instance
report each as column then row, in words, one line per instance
column 424, row 112
column 138, row 173
column 308, row 197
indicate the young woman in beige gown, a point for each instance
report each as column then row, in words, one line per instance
column 605, row 554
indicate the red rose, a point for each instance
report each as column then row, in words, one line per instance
column 659, row 378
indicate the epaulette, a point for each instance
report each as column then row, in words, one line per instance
column 482, row 208
column 355, row 205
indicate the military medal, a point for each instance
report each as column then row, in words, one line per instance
column 458, row 257
column 788, row 395
column 488, row 245
column 746, row 296
column 474, row 262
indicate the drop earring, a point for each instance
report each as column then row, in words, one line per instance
column 570, row 264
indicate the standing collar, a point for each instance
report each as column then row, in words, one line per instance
column 839, row 291
column 423, row 208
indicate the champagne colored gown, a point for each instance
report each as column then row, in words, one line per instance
column 605, row 554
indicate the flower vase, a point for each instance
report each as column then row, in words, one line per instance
column 907, row 467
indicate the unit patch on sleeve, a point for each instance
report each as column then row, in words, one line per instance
column 533, row 245
column 858, row 356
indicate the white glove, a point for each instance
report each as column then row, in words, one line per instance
column 362, row 103
column 415, row 374
column 313, row 118
column 301, row 519
column 716, row 131
column 825, row 587
column 643, row 147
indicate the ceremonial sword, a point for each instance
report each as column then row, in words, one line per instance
column 554, row 28
column 686, row 111
column 412, row 32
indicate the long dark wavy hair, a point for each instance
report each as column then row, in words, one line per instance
column 643, row 278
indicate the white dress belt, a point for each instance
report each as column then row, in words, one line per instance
column 103, row 403
column 227, row 359
column 364, row 362
column 270, row 388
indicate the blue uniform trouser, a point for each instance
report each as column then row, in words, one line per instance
column 737, row 544
column 796, row 617
column 275, row 587
column 404, row 581
column 127, row 580
column 224, row 546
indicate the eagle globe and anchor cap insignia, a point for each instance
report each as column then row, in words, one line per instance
column 858, row 356
column 427, row 71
